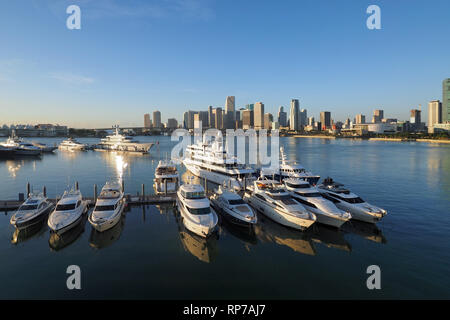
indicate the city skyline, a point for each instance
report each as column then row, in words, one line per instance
column 119, row 66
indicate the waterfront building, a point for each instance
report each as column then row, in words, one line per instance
column 311, row 121
column 250, row 106
column 185, row 120
column 258, row 114
column 156, row 119
column 294, row 115
column 268, row 119
column 360, row 118
column 378, row 115
column 325, row 119
column 218, row 121
column 147, row 121
column 172, row 123
column 446, row 100
column 230, row 117
column 211, row 123
column 303, row 118
column 434, row 114
column 282, row 117
column 247, row 119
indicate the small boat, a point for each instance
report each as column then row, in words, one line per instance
column 275, row 202
column 310, row 197
column 166, row 179
column 72, row 145
column 233, row 208
column 108, row 208
column 68, row 212
column 44, row 147
column 32, row 211
column 349, row 201
column 195, row 209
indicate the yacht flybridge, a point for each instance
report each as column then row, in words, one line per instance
column 119, row 142
column 195, row 209
column 289, row 169
column 348, row 201
column 166, row 178
column 275, row 202
column 211, row 161
column 310, row 197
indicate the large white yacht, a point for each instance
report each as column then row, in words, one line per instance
column 275, row 202
column 233, row 208
column 289, row 169
column 166, row 178
column 325, row 210
column 108, row 208
column 348, row 201
column 32, row 211
column 20, row 147
column 72, row 145
column 211, row 161
column 195, row 208
column 68, row 212
column 120, row 142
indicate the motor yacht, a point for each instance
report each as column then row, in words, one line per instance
column 210, row 161
column 44, row 147
column 68, row 212
column 346, row 200
column 308, row 195
column 289, row 169
column 233, row 208
column 166, row 178
column 72, row 145
column 195, row 209
column 120, row 142
column 274, row 201
column 35, row 208
column 108, row 208
column 20, row 147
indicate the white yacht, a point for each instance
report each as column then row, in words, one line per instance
column 20, row 147
column 348, row 201
column 211, row 161
column 108, row 208
column 325, row 210
column 166, row 178
column 195, row 208
column 32, row 211
column 233, row 208
column 119, row 142
column 289, row 169
column 275, row 202
column 72, row 145
column 68, row 212
column 44, row 147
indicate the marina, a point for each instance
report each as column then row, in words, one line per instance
column 151, row 229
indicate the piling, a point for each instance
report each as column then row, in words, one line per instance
column 165, row 187
column 95, row 193
column 245, row 183
column 206, row 186
column 28, row 189
column 143, row 191
column 77, row 186
column 44, row 191
column 123, row 186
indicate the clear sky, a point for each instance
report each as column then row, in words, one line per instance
column 133, row 57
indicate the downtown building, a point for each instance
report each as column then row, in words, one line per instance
column 325, row 120
column 258, row 113
column 294, row 115
column 156, row 119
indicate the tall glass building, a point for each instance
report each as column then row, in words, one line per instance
column 446, row 100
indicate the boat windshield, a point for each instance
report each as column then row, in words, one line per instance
column 354, row 200
column 236, row 201
column 285, row 199
column 309, row 194
column 298, row 186
column 199, row 211
column 28, row 207
column 194, row 195
column 65, row 207
column 104, row 208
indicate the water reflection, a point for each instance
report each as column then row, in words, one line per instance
column 268, row 231
column 100, row 240
column 329, row 237
column 58, row 242
column 245, row 234
column 22, row 235
column 204, row 249
column 368, row 231
column 15, row 165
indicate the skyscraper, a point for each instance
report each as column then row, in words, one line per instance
column 156, row 119
column 247, row 119
column 147, row 121
column 185, row 120
column 360, row 119
column 258, row 113
column 325, row 119
column 172, row 123
column 434, row 114
column 218, row 118
column 229, row 112
column 303, row 118
column 446, row 100
column 268, row 119
column 294, row 115
column 378, row 115
column 282, row 117
column 210, row 117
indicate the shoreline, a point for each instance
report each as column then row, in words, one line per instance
column 312, row 136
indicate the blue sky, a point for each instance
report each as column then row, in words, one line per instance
column 132, row 57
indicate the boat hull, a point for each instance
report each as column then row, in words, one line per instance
column 67, row 227
column 359, row 214
column 231, row 218
column 33, row 221
column 107, row 224
column 198, row 229
column 214, row 177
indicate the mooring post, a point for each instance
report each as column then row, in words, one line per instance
column 165, row 187
column 76, row 186
column 44, row 191
column 95, row 193
column 28, row 189
column 143, row 192
column 206, row 186
column 123, row 186
column 245, row 183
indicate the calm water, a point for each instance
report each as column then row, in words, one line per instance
column 150, row 255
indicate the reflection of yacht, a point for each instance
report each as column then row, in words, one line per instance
column 329, row 237
column 290, row 169
column 108, row 208
column 246, row 235
column 58, row 241
column 368, row 231
column 233, row 208
column 275, row 202
column 195, row 208
column 22, row 235
column 6, row 152
column 101, row 240
column 212, row 162
column 325, row 210
column 119, row 142
column 68, row 212
column 166, row 179
column 72, row 145
column 348, row 201
column 32, row 211
column 204, row 249
column 269, row 231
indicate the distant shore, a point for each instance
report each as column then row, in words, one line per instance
column 312, row 136
column 374, row 139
